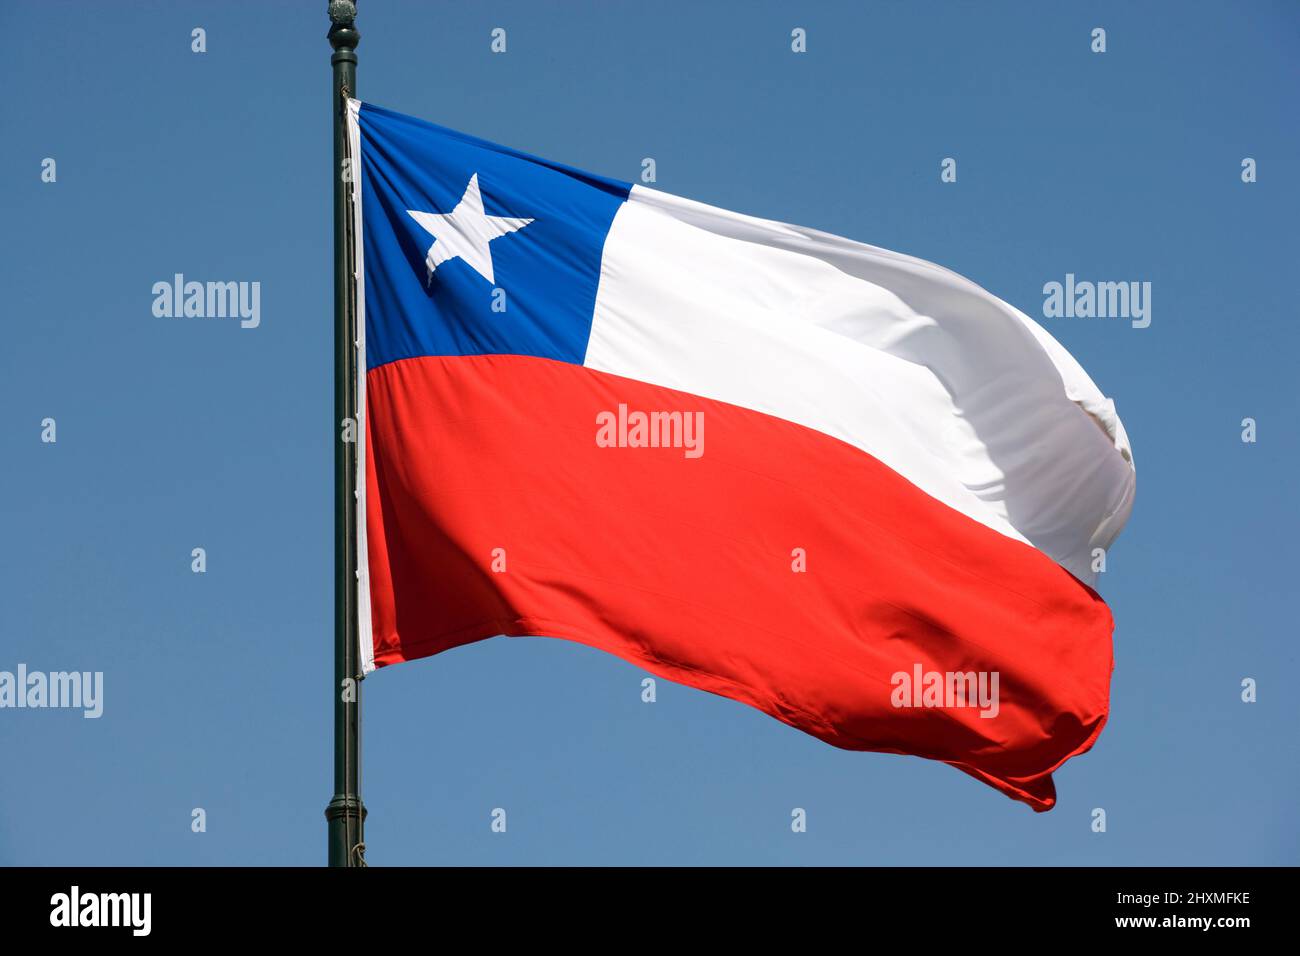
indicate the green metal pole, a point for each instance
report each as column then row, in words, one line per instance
column 346, row 813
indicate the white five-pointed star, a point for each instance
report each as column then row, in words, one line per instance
column 464, row 233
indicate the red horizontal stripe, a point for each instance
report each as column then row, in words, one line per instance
column 684, row 565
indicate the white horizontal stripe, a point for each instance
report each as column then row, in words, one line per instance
column 952, row 388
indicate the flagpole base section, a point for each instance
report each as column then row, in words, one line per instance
column 346, row 836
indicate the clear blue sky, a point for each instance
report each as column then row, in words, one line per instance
column 176, row 434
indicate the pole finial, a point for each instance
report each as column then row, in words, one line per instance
column 343, row 33
column 343, row 11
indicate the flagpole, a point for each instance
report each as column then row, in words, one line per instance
column 346, row 813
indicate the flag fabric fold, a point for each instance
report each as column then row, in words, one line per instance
column 842, row 485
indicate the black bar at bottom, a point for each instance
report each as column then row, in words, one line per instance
column 934, row 907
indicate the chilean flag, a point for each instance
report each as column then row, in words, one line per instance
column 839, row 484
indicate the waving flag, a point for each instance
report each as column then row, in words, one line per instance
column 842, row 485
